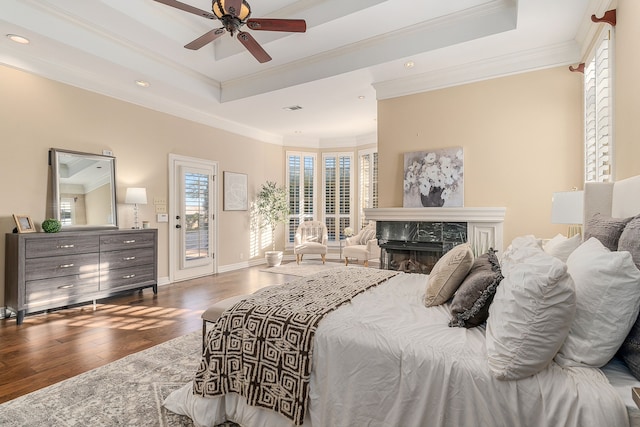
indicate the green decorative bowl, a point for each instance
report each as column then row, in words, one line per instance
column 51, row 225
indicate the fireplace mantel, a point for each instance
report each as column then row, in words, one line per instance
column 484, row 225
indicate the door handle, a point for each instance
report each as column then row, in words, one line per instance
column 178, row 226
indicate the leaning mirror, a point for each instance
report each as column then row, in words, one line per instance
column 84, row 192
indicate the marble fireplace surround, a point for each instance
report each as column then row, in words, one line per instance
column 484, row 225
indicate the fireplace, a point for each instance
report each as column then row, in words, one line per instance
column 415, row 246
column 413, row 239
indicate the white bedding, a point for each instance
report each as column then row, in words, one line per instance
column 387, row 360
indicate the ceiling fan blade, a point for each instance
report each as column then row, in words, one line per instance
column 207, row 37
column 252, row 46
column 188, row 8
column 233, row 7
column 266, row 24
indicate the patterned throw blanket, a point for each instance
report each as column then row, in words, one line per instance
column 261, row 348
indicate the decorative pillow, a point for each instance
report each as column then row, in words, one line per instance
column 367, row 234
column 470, row 304
column 630, row 240
column 607, row 298
column 630, row 350
column 561, row 246
column 517, row 243
column 447, row 274
column 605, row 229
column 530, row 315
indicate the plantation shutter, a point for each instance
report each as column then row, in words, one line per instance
column 598, row 148
column 368, row 183
column 337, row 193
column 301, row 177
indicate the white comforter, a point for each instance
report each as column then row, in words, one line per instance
column 386, row 360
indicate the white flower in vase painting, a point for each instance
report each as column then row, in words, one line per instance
column 434, row 178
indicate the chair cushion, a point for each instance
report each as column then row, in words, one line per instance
column 356, row 251
column 310, row 248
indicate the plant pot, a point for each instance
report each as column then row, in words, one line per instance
column 433, row 199
column 274, row 258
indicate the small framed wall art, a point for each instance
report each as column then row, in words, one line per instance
column 235, row 191
column 24, row 224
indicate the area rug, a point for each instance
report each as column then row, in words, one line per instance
column 305, row 268
column 127, row 392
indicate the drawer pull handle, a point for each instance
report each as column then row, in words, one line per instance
column 129, row 258
column 66, row 265
column 129, row 276
column 66, row 246
column 129, row 241
column 65, row 287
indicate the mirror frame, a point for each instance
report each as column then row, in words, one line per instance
column 54, row 158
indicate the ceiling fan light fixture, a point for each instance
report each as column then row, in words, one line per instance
column 219, row 9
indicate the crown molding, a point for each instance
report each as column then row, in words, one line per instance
column 515, row 63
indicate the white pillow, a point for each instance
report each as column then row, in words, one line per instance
column 513, row 249
column 607, row 298
column 531, row 313
column 561, row 246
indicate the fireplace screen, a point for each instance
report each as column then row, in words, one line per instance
column 416, row 246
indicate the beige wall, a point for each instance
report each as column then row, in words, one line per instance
column 37, row 114
column 627, row 89
column 521, row 136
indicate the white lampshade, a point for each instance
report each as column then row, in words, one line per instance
column 136, row 196
column 567, row 207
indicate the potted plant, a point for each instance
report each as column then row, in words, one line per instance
column 272, row 207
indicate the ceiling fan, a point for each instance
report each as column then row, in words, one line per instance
column 233, row 14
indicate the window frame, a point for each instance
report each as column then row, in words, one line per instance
column 598, row 103
column 338, row 233
column 300, row 216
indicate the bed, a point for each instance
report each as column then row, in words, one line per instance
column 384, row 359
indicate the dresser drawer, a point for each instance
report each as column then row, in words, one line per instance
column 59, row 290
column 129, row 258
column 54, row 246
column 120, row 241
column 127, row 277
column 83, row 265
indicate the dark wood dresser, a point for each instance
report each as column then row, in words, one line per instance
column 45, row 271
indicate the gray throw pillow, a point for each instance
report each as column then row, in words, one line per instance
column 470, row 304
column 630, row 239
column 605, row 229
column 630, row 350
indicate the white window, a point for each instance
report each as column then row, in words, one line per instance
column 598, row 111
column 67, row 210
column 368, row 182
column 338, row 190
column 301, row 172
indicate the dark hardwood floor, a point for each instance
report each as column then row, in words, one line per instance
column 56, row 345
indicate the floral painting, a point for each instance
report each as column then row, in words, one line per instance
column 434, row 178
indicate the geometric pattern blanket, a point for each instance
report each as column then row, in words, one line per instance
column 262, row 347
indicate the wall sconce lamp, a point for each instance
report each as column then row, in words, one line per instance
column 136, row 196
column 567, row 208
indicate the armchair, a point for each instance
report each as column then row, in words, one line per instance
column 363, row 246
column 311, row 238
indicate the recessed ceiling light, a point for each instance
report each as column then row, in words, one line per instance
column 409, row 64
column 143, row 83
column 361, row 97
column 18, row 39
column 292, row 108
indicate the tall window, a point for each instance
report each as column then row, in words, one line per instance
column 301, row 172
column 368, row 182
column 598, row 121
column 338, row 183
